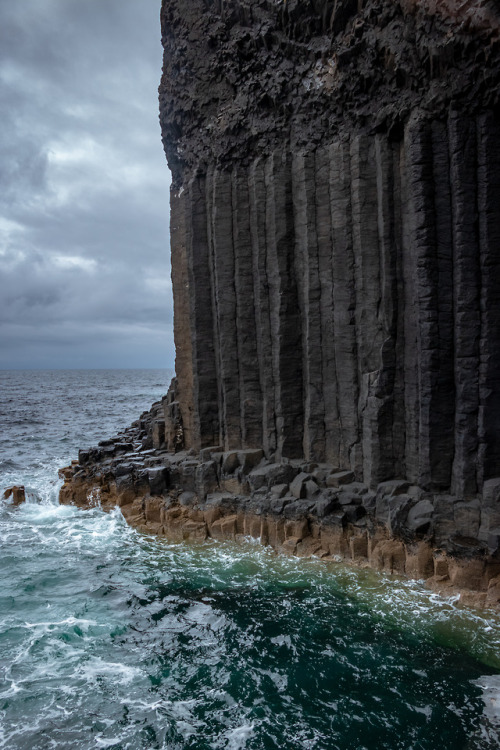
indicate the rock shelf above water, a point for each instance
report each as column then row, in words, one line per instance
column 296, row 507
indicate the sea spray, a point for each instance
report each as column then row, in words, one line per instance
column 109, row 638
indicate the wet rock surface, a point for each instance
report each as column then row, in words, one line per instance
column 291, row 506
column 16, row 494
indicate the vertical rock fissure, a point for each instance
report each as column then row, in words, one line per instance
column 367, row 290
column 284, row 308
column 335, row 231
column 383, row 396
column 224, row 268
column 421, row 191
column 399, row 423
column 463, row 161
column 442, row 446
column 309, row 292
column 411, row 317
column 205, row 377
column 218, row 423
column 331, row 422
column 249, row 381
column 344, row 303
column 262, row 301
column 489, row 238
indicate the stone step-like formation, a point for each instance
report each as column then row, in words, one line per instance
column 297, row 507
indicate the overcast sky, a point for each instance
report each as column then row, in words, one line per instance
column 84, row 250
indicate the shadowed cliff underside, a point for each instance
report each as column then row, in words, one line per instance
column 335, row 235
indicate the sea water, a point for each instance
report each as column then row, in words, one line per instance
column 113, row 639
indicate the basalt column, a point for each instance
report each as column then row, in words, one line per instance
column 336, row 233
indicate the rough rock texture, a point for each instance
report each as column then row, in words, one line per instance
column 335, row 230
column 17, row 493
column 335, row 233
column 296, row 507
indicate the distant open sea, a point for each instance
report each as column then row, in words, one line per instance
column 113, row 639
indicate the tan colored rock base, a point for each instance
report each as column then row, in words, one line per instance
column 17, row 493
column 476, row 581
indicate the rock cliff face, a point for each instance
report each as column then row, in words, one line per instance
column 335, row 232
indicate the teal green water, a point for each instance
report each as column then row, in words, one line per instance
column 110, row 639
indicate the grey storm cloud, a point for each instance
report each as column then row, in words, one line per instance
column 84, row 252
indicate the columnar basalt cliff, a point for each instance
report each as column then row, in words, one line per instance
column 335, row 235
column 335, row 230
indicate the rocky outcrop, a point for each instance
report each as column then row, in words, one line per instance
column 335, row 224
column 296, row 507
column 17, row 493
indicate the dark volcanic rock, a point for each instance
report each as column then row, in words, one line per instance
column 242, row 76
column 335, row 234
column 335, row 215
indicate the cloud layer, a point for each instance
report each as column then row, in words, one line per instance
column 84, row 254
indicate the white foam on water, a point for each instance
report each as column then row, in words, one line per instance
column 180, row 710
column 97, row 668
column 41, row 490
column 201, row 613
column 49, row 626
column 40, row 513
column 280, row 681
column 76, row 529
column 109, row 741
column 185, row 729
column 282, row 640
column 490, row 723
column 238, row 737
column 12, row 690
column 58, row 661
